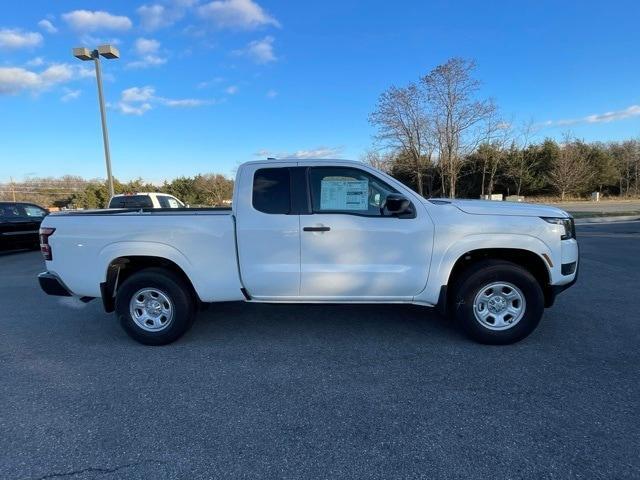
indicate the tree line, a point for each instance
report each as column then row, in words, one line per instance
column 211, row 189
column 439, row 136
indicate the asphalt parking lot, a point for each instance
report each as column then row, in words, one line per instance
column 276, row 391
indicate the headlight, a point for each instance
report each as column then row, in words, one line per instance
column 567, row 224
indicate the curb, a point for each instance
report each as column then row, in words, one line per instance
column 612, row 219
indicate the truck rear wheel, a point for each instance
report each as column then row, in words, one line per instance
column 155, row 306
column 497, row 302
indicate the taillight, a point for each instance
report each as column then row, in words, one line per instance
column 45, row 248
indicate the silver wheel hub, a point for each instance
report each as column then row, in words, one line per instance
column 151, row 309
column 499, row 306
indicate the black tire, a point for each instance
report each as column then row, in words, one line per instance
column 483, row 273
column 176, row 291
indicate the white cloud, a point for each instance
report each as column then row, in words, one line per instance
column 629, row 112
column 238, row 14
column 153, row 17
column 70, row 95
column 272, row 93
column 138, row 94
column 209, row 83
column 156, row 16
column 144, row 46
column 57, row 73
column 184, row 3
column 259, row 51
column 129, row 109
column 185, row 102
column 231, row 90
column 35, row 62
column 15, row 80
column 147, row 49
column 90, row 21
column 14, row 38
column 139, row 100
column 318, row 152
column 632, row 111
column 47, row 26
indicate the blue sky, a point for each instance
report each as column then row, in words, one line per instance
column 202, row 86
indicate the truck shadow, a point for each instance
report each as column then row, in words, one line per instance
column 331, row 322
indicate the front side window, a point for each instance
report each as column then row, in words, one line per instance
column 272, row 190
column 168, row 202
column 347, row 190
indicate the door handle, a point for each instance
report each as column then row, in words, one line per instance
column 316, row 229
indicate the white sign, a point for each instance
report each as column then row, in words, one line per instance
column 344, row 195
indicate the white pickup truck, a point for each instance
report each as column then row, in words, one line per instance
column 316, row 231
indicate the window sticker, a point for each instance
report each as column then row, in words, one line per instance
column 344, row 194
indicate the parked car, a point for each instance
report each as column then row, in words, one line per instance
column 19, row 224
column 145, row 200
column 317, row 232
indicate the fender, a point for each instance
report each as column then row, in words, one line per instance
column 116, row 250
column 144, row 249
column 441, row 270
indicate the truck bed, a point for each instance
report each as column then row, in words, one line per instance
column 200, row 241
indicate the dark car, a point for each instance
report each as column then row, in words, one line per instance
column 19, row 224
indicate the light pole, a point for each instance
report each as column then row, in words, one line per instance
column 110, row 52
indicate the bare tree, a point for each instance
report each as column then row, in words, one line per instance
column 497, row 136
column 570, row 171
column 403, row 126
column 523, row 163
column 627, row 158
column 458, row 115
column 380, row 160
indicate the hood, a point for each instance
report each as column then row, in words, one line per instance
column 492, row 207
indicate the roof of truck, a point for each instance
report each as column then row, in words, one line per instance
column 302, row 161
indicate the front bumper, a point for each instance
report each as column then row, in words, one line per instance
column 554, row 290
column 51, row 284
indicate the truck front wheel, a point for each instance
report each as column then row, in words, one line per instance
column 155, row 306
column 497, row 302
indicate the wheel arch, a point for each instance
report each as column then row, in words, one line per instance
column 122, row 267
column 533, row 262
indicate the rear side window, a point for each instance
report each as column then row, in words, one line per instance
column 131, row 201
column 9, row 211
column 272, row 190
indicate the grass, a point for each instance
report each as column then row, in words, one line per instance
column 604, row 214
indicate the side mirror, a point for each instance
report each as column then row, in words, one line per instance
column 397, row 204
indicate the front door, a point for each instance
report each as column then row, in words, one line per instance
column 351, row 249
